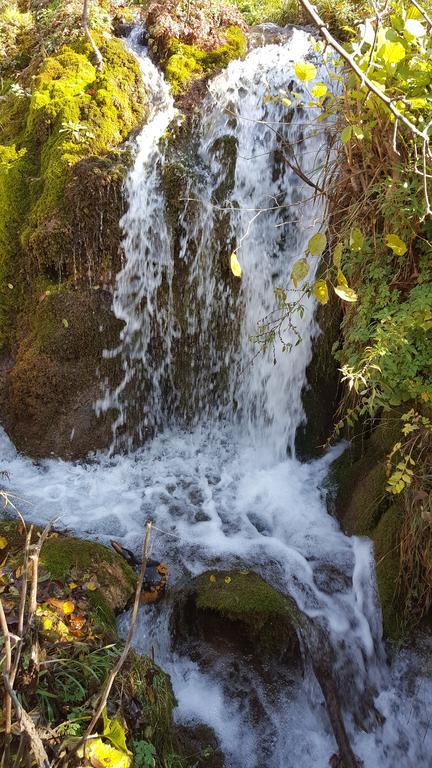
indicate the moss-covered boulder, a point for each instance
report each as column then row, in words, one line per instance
column 66, row 559
column 237, row 609
column 360, row 501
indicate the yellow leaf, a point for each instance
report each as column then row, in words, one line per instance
column 227, row 579
column 72, row 585
column 320, row 291
column 91, row 586
column 235, row 265
column 47, row 623
column 317, row 243
column 299, row 271
column 396, row 244
column 3, row 542
column 341, row 278
column 319, row 90
column 305, row 71
column 345, row 293
column 392, row 53
column 337, row 255
column 212, row 578
column 68, row 607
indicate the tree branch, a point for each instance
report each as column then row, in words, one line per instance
column 97, row 53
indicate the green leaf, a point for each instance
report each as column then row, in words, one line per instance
column 317, row 243
column 319, row 90
column 299, row 271
column 345, row 293
column 356, row 239
column 305, row 71
column 320, row 291
column 346, row 134
column 392, row 53
column 114, row 732
column 396, row 244
column 358, row 132
column 337, row 255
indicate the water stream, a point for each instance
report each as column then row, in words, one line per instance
column 223, row 485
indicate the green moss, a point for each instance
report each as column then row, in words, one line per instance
column 268, row 618
column 144, row 682
column 74, row 111
column 188, row 62
column 235, row 593
column 386, row 540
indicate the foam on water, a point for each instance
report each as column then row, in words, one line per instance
column 227, row 490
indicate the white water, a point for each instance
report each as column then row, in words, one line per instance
column 223, row 492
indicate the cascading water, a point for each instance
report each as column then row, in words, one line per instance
column 221, row 487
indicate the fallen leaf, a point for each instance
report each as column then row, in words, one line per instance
column 3, row 542
column 212, row 578
column 227, row 579
column 68, row 607
column 235, row 265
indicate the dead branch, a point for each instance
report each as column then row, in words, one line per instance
column 27, row 726
column 7, row 698
column 23, row 597
column 97, row 53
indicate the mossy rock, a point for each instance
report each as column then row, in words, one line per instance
column 386, row 538
column 67, row 558
column 148, row 701
column 186, row 63
column 50, row 198
column 320, row 395
column 240, row 609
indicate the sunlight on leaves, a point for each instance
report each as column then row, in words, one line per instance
column 305, row 71
column 235, row 265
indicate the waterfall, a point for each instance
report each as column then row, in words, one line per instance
column 209, row 426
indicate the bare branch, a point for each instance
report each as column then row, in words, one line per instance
column 27, row 725
column 97, row 53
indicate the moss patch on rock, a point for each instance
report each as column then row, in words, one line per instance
column 188, row 62
column 365, row 509
column 240, row 608
column 74, row 111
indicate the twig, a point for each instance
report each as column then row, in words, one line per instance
column 34, row 558
column 7, row 698
column 27, row 725
column 23, row 597
column 97, row 53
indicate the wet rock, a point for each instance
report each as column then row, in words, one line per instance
column 237, row 611
column 47, row 400
column 320, row 395
column 201, row 742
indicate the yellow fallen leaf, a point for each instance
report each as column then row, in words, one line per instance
column 72, row 585
column 227, row 579
column 3, row 542
column 68, row 607
column 235, row 265
column 47, row 623
column 91, row 586
column 212, row 578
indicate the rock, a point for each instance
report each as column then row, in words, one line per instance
column 66, row 558
column 47, row 399
column 201, row 742
column 320, row 396
column 358, row 482
column 237, row 610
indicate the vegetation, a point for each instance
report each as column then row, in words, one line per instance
column 378, row 246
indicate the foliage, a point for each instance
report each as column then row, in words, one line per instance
column 187, row 62
column 339, row 16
